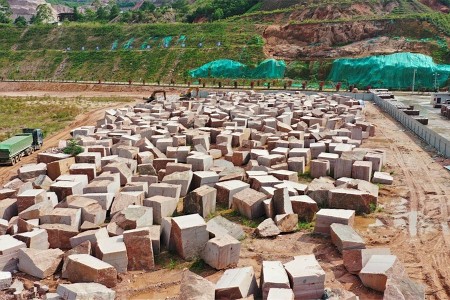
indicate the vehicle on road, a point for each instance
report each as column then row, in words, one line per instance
column 20, row 145
column 438, row 99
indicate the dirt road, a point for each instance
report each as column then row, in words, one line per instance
column 416, row 206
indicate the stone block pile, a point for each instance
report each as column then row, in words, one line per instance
column 243, row 151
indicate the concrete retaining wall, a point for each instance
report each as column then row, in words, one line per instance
column 441, row 144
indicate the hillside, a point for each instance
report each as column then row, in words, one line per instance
column 306, row 34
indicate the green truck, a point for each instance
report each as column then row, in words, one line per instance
column 25, row 143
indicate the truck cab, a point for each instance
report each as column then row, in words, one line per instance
column 38, row 136
column 439, row 99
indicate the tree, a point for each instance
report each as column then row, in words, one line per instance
column 148, row 6
column 102, row 14
column 218, row 14
column 4, row 18
column 77, row 16
column 20, row 21
column 181, row 5
column 114, row 12
column 44, row 14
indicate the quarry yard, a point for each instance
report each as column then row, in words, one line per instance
column 410, row 216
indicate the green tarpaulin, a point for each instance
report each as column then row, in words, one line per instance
column 395, row 71
column 225, row 68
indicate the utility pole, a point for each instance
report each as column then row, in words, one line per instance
column 435, row 81
column 414, row 80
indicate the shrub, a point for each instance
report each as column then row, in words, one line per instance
column 73, row 148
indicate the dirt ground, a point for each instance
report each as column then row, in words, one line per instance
column 414, row 219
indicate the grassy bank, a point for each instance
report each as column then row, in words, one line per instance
column 49, row 114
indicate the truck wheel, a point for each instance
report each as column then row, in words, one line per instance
column 13, row 161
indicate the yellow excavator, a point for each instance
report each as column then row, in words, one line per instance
column 188, row 95
column 154, row 97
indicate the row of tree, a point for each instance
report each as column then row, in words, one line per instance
column 179, row 10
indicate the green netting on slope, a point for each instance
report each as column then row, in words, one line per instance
column 395, row 71
column 166, row 41
column 128, row 44
column 225, row 68
column 114, row 45
column 182, row 40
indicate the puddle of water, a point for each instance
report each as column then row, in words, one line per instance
column 362, row 223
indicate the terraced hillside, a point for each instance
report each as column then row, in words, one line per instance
column 308, row 34
column 40, row 52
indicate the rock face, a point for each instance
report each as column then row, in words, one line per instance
column 267, row 228
column 194, row 287
column 39, row 263
column 86, row 268
column 85, row 291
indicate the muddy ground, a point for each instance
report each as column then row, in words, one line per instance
column 413, row 221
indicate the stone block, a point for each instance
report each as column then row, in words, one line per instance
column 362, row 170
column 267, row 228
column 183, row 179
column 8, row 208
column 382, row 178
column 164, row 189
column 200, row 162
column 177, row 167
column 89, row 158
column 201, row 200
column 320, row 168
column 139, row 249
column 343, row 168
column 281, row 202
column 276, row 293
column 85, row 291
column 86, row 268
column 318, row 190
column 36, row 239
column 5, row 280
column 188, row 235
column 202, row 178
column 104, row 199
column 273, row 276
column 29, row 171
column 114, row 252
column 59, row 235
column 227, row 189
column 344, row 237
column 236, row 284
column 296, row 164
column 121, row 168
column 102, row 186
column 162, row 207
column 286, row 222
column 326, row 217
column 222, row 252
column 39, row 263
column 305, row 207
column 91, row 210
column 195, row 287
column 84, row 169
column 357, row 200
column 91, row 235
column 66, row 216
column 66, row 188
column 9, row 256
column 124, row 199
column 379, row 269
column 219, row 226
column 403, row 288
column 306, row 276
column 29, row 198
column 271, row 159
column 258, row 182
column 356, row 259
column 134, row 216
column 249, row 203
